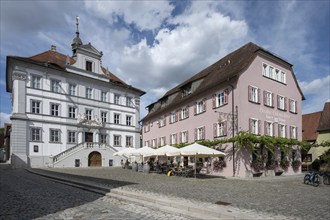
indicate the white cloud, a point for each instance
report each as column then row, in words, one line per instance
column 314, row 86
column 4, row 118
column 317, row 92
column 199, row 38
column 144, row 14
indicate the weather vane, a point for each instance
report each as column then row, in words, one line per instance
column 77, row 23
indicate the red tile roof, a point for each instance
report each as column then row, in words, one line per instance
column 310, row 122
column 57, row 60
column 325, row 118
column 226, row 68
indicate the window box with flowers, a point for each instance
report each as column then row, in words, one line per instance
column 296, row 165
column 271, row 166
column 284, row 164
column 218, row 165
column 257, row 166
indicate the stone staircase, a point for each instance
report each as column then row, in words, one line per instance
column 70, row 151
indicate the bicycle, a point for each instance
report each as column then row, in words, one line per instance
column 312, row 178
column 326, row 178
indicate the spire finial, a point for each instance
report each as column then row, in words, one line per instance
column 77, row 23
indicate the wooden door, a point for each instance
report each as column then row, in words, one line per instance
column 94, row 159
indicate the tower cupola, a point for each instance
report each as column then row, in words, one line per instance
column 76, row 41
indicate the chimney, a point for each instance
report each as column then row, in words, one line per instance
column 53, row 48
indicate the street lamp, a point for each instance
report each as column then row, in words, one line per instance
column 230, row 117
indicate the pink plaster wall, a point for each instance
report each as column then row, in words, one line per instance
column 252, row 76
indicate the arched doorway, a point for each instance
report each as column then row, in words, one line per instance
column 94, row 159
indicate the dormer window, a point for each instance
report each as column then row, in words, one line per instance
column 163, row 102
column 186, row 90
column 89, row 66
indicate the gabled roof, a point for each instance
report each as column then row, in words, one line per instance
column 58, row 61
column 310, row 122
column 226, row 68
column 325, row 118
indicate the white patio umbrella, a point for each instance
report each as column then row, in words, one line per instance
column 126, row 152
column 145, row 151
column 166, row 150
column 200, row 151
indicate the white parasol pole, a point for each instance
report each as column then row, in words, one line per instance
column 195, row 164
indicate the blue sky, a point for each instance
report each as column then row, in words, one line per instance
column 154, row 45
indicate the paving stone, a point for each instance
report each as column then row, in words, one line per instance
column 283, row 195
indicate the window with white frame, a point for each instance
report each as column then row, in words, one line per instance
column 88, row 113
column 281, row 130
column 254, row 126
column 277, row 75
column 129, row 141
column 283, row 77
column 221, row 129
column 154, row 142
column 281, row 102
column 269, row 128
column 35, row 134
column 184, row 113
column 146, row 143
column 128, row 120
column 54, row 136
column 162, row 121
column 36, row 82
column 184, row 137
column 116, row 140
column 72, row 89
column 103, row 96
column 162, row 141
column 117, row 99
column 35, row 107
column 220, row 99
column 103, row 138
column 265, row 70
column 116, row 118
column 200, row 107
column 89, row 93
column 72, row 112
column 173, row 117
column 200, row 133
column 173, row 139
column 72, row 137
column 55, row 86
column 293, row 106
column 89, row 66
column 146, row 127
column 293, row 132
column 268, row 98
column 54, row 109
column 104, row 117
column 271, row 71
column 129, row 102
column 254, row 94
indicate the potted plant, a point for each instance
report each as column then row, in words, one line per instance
column 296, row 164
column 271, row 165
column 285, row 164
column 199, row 166
column 218, row 165
column 257, row 166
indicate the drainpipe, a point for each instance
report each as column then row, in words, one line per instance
column 233, row 125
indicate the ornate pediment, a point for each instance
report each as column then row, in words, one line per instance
column 93, row 123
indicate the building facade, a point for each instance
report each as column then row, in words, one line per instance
column 70, row 111
column 250, row 89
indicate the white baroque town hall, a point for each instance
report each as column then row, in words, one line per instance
column 70, row 111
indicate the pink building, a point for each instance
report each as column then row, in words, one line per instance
column 250, row 89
